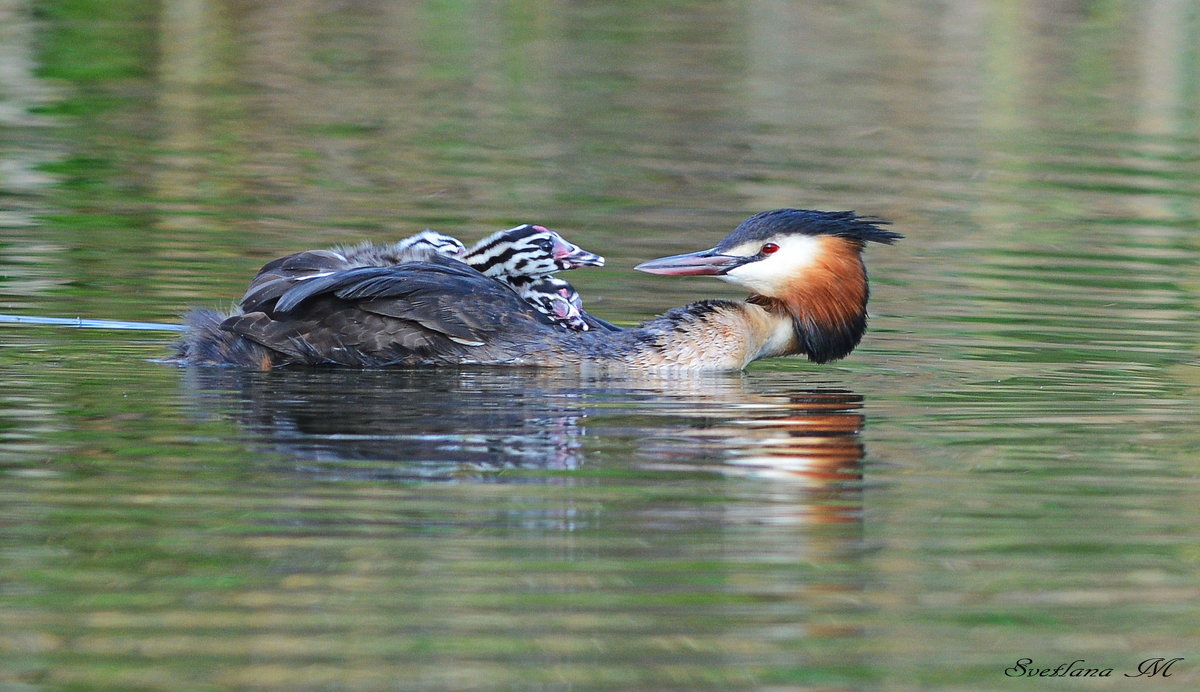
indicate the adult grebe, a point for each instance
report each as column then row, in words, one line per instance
column 804, row 268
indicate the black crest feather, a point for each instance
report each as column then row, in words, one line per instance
column 844, row 224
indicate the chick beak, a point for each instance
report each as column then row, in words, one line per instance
column 571, row 256
column 561, row 308
column 703, row 263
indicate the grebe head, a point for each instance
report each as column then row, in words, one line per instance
column 433, row 241
column 527, row 250
column 770, row 252
column 796, row 262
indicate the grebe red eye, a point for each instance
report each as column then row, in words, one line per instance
column 769, row 249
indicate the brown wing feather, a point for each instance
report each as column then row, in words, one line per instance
column 279, row 276
column 373, row 316
column 284, row 337
column 308, row 262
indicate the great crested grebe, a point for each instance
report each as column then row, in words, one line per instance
column 804, row 269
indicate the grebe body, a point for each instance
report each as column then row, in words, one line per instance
column 804, row 269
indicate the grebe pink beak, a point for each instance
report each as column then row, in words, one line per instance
column 703, row 263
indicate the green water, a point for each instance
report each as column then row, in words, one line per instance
column 1005, row 469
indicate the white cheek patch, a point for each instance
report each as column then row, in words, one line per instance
column 771, row 275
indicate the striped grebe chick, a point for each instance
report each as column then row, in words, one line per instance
column 517, row 256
